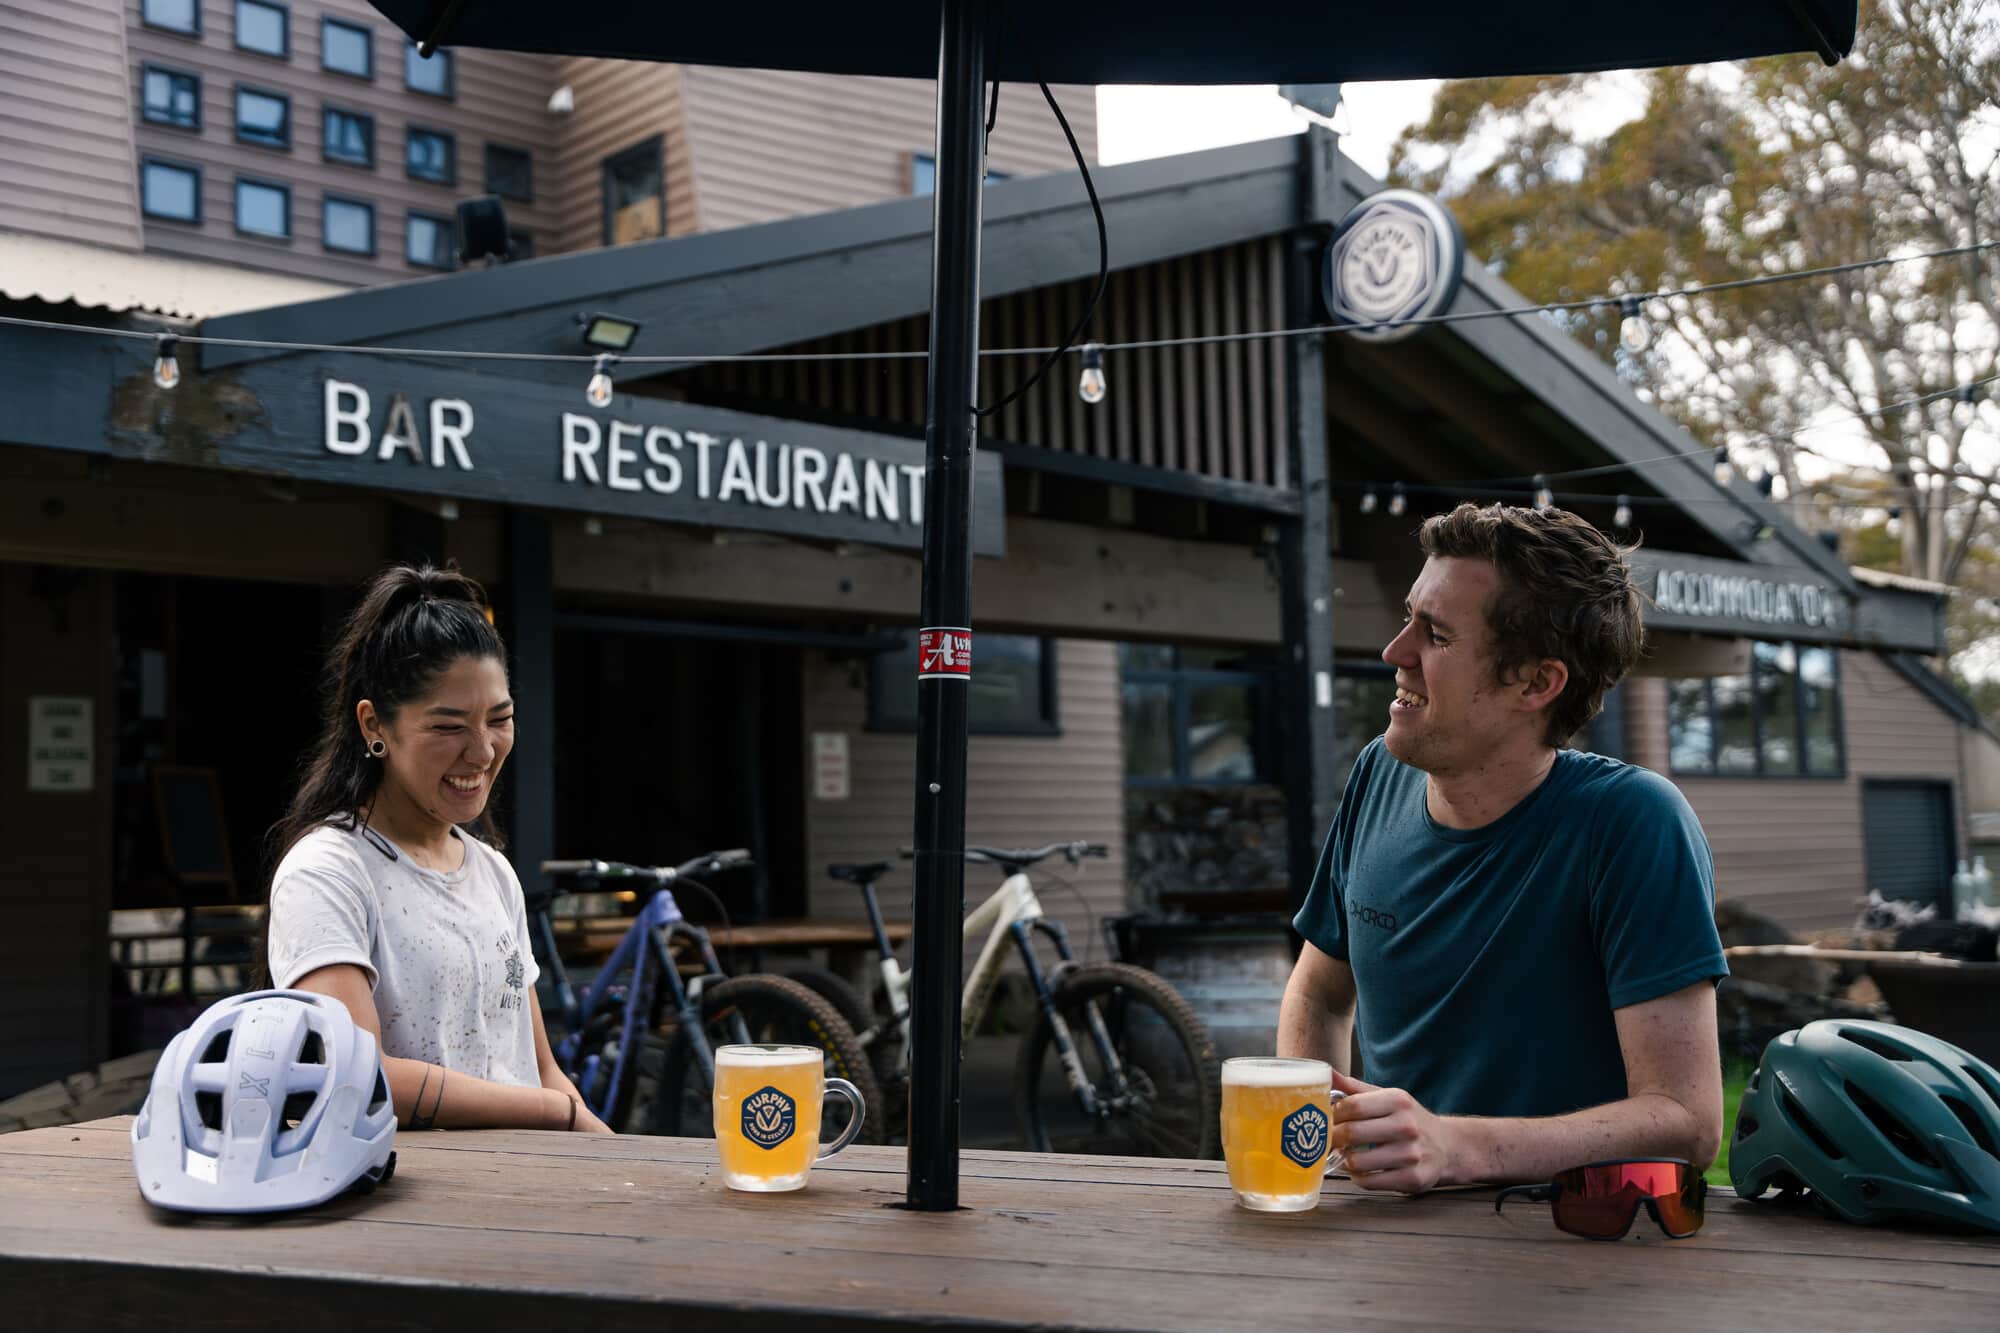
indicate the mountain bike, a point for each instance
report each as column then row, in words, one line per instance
column 1116, row 1060
column 639, row 1042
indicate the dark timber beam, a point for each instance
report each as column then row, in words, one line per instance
column 527, row 623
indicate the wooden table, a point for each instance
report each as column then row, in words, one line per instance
column 520, row 1229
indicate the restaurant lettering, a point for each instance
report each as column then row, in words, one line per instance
column 1740, row 597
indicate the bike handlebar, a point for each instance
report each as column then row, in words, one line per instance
column 708, row 863
column 1073, row 852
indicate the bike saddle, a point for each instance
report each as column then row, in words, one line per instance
column 863, row 873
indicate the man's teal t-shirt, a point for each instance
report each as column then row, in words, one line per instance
column 1488, row 961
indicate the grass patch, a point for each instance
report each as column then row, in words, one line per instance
column 1734, row 1078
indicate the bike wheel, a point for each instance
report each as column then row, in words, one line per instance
column 771, row 1009
column 1174, row 1104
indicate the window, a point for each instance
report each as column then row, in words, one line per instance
column 635, row 196
column 169, row 97
column 1780, row 721
column 263, row 118
column 1012, row 693
column 169, row 190
column 510, row 172
column 347, row 48
column 428, row 241
column 422, row 75
column 264, row 28
column 348, row 225
column 431, row 155
column 923, row 174
column 263, row 208
column 348, row 136
column 1361, row 697
column 1196, row 716
column 173, row 15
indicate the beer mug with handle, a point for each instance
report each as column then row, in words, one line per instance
column 1276, row 1114
column 768, row 1101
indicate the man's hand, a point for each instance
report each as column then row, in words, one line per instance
column 1387, row 1138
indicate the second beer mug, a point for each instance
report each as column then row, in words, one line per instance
column 1276, row 1114
column 768, row 1101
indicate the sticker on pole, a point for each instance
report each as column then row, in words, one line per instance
column 944, row 654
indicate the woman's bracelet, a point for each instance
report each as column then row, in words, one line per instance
column 572, row 1114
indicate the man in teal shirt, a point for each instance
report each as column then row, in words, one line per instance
column 1527, row 932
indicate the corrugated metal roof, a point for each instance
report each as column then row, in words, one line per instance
column 43, row 268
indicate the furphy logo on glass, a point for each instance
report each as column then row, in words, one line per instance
column 1302, row 1135
column 769, row 1117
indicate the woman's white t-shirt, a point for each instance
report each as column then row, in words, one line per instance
column 448, row 954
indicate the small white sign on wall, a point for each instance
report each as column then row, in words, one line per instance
column 59, row 742
column 830, row 766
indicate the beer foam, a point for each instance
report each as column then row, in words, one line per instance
column 766, row 1057
column 1271, row 1073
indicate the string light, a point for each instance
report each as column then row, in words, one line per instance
column 166, row 361
column 1723, row 471
column 1090, row 384
column 1398, row 501
column 1368, row 501
column 1544, row 497
column 1621, row 517
column 1633, row 335
column 599, row 390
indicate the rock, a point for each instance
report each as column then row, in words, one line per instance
column 1739, row 924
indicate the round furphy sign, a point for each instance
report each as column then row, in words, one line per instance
column 1397, row 256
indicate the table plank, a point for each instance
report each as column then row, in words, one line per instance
column 515, row 1225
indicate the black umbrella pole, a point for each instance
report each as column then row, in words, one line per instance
column 943, row 667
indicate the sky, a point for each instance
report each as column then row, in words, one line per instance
column 1141, row 121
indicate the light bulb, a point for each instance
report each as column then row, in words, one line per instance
column 166, row 363
column 1723, row 471
column 1368, row 501
column 1633, row 335
column 1398, row 502
column 599, row 392
column 1622, row 516
column 1544, row 497
column 1090, row 384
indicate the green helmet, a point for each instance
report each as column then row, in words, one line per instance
column 1877, row 1122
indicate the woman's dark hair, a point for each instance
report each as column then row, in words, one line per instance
column 413, row 622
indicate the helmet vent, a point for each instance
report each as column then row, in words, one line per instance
column 1966, row 1116
column 311, row 1051
column 297, row 1106
column 1746, row 1125
column 1806, row 1124
column 1868, row 1041
column 208, row 1105
column 380, row 1095
column 1891, row 1128
column 218, row 1048
column 1982, row 1077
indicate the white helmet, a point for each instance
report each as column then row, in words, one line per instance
column 271, row 1100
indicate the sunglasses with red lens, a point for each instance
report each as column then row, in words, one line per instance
column 1599, row 1201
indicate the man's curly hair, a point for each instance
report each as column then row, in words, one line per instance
column 1566, row 592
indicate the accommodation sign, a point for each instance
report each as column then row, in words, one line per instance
column 1751, row 599
column 650, row 457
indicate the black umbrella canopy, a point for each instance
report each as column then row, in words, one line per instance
column 1158, row 41
column 964, row 44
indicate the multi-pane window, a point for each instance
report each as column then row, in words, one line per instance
column 173, row 15
column 428, row 241
column 635, row 195
column 263, row 208
column 263, row 118
column 426, row 74
column 264, row 28
column 1012, row 693
column 170, row 190
column 1196, row 716
column 509, row 172
column 170, row 97
column 1780, row 720
column 347, row 48
column 430, row 155
column 348, row 225
column 348, row 136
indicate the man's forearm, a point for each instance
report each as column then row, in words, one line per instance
column 1508, row 1150
column 1309, row 1030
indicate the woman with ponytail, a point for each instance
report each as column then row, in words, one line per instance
column 390, row 894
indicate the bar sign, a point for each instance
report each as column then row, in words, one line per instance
column 944, row 653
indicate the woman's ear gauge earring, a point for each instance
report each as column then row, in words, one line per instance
column 378, row 748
